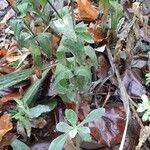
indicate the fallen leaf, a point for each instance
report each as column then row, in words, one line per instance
column 97, row 34
column 108, row 130
column 5, row 124
column 3, row 52
column 10, row 97
column 103, row 67
column 87, row 12
column 133, row 82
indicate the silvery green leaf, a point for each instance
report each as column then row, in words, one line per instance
column 45, row 43
column 84, row 133
column 36, row 54
column 83, row 78
column 93, row 115
column 73, row 133
column 141, row 108
column 90, row 52
column 146, row 115
column 32, row 91
column 81, row 27
column 58, row 143
column 17, row 26
column 14, row 78
column 85, row 36
column 38, row 110
column 71, row 117
column 17, row 145
column 65, row 26
column 63, row 127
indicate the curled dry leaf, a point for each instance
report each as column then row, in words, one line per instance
column 5, row 124
column 87, row 12
column 97, row 33
column 133, row 82
column 3, row 52
column 10, row 97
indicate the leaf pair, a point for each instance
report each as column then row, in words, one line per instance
column 73, row 128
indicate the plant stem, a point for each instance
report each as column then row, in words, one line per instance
column 77, row 111
column 17, row 12
column 54, row 9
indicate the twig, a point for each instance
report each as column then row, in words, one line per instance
column 72, row 13
column 124, row 97
column 54, row 9
column 136, row 116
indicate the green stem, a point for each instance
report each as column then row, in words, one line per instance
column 77, row 111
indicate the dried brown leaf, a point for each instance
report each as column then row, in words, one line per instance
column 5, row 124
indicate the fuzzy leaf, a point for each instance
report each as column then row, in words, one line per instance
column 14, row 78
column 36, row 54
column 58, row 143
column 84, row 133
column 90, row 52
column 44, row 41
column 65, row 26
column 71, row 117
column 31, row 92
column 17, row 26
column 93, row 115
column 63, row 127
column 38, row 110
column 17, row 145
column 73, row 133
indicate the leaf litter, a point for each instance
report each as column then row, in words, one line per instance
column 111, row 90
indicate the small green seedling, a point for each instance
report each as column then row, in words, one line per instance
column 147, row 78
column 145, row 108
column 71, row 128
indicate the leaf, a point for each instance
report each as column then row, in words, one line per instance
column 43, row 2
column 76, row 48
column 86, row 11
column 90, row 52
column 65, row 26
column 14, row 78
column 63, row 127
column 83, row 78
column 61, row 84
column 71, row 117
column 58, row 143
column 73, row 133
column 17, row 145
column 51, row 104
column 23, row 8
column 116, row 13
column 93, row 115
column 17, row 26
column 5, row 124
column 38, row 110
column 84, row 133
column 44, row 41
column 36, row 54
column 31, row 92
column 82, row 33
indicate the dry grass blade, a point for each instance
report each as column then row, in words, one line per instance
column 124, row 97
